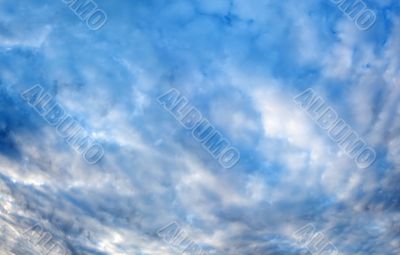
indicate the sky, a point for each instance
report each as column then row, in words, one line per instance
column 239, row 63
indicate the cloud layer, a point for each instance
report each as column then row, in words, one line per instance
column 240, row 63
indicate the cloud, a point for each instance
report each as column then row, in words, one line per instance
column 240, row 63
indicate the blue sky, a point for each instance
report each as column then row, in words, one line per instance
column 240, row 63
